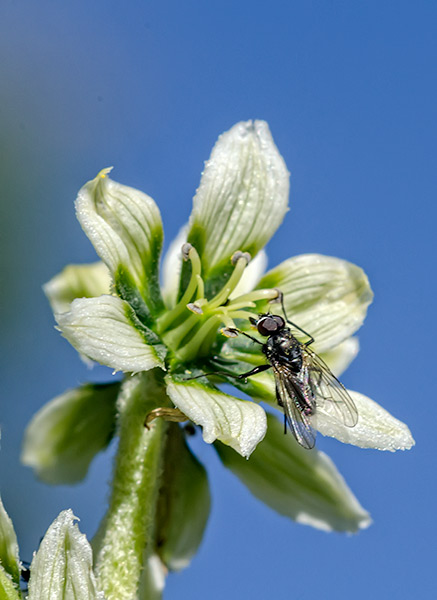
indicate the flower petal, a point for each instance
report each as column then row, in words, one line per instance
column 106, row 330
column 326, row 296
column 9, row 558
column 171, row 268
column 124, row 225
column 8, row 590
column 340, row 357
column 64, row 436
column 376, row 428
column 237, row 423
column 183, row 505
column 242, row 197
column 301, row 484
column 62, row 567
column 77, row 281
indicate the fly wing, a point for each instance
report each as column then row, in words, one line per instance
column 292, row 399
column 330, row 394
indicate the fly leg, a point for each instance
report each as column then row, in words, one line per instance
column 258, row 369
column 311, row 340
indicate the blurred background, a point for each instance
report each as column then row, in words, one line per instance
column 349, row 91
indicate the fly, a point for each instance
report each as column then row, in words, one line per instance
column 303, row 380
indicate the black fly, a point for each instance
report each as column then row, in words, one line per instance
column 303, row 380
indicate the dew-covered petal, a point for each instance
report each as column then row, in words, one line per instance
column 242, row 197
column 238, row 423
column 303, row 485
column 77, row 281
column 9, row 558
column 376, row 427
column 62, row 567
column 8, row 589
column 340, row 357
column 125, row 228
column 106, row 330
column 64, row 436
column 326, row 296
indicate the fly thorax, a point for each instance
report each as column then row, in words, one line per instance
column 285, row 349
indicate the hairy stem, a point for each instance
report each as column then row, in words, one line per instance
column 125, row 538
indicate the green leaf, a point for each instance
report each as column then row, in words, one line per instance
column 326, row 296
column 241, row 200
column 183, row 505
column 238, row 423
column 125, row 228
column 62, row 567
column 64, row 436
column 77, row 281
column 303, row 485
column 106, row 330
column 9, row 558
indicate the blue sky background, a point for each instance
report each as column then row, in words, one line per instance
column 349, row 91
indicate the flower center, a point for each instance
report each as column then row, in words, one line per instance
column 190, row 328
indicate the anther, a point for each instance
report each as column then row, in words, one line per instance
column 279, row 298
column 229, row 332
column 195, row 308
column 239, row 254
column 186, row 250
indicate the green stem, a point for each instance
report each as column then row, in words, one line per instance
column 125, row 538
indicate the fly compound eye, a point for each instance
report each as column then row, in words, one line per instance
column 279, row 320
column 267, row 326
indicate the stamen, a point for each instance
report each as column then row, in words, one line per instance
column 255, row 296
column 191, row 348
column 196, row 269
column 231, row 284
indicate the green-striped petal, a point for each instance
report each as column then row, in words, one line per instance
column 376, row 427
column 64, row 436
column 326, row 296
column 106, row 330
column 303, row 485
column 237, row 423
column 8, row 590
column 62, row 567
column 77, row 281
column 340, row 357
column 125, row 228
column 242, row 197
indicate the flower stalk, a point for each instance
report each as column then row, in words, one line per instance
column 127, row 531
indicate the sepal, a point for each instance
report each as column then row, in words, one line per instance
column 64, row 436
column 183, row 505
column 9, row 558
column 303, row 485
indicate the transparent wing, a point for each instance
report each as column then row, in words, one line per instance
column 291, row 397
column 330, row 394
